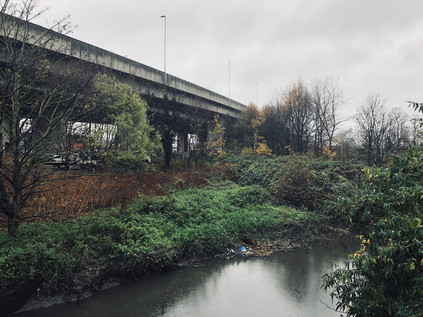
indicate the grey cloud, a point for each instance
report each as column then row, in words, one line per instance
column 368, row 44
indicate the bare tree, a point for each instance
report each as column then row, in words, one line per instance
column 398, row 132
column 273, row 128
column 372, row 120
column 39, row 93
column 327, row 97
column 415, row 131
column 345, row 144
column 298, row 108
column 287, row 121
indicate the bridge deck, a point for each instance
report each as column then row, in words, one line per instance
column 189, row 93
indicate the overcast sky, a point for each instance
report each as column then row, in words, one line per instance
column 372, row 46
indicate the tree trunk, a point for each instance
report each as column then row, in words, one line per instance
column 167, row 139
column 13, row 226
column 7, row 208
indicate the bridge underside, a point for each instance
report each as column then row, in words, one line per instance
column 171, row 113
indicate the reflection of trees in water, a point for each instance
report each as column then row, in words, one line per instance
column 291, row 271
column 299, row 272
column 178, row 285
column 152, row 295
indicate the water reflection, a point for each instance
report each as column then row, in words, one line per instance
column 285, row 284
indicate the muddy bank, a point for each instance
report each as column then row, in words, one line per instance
column 98, row 276
column 291, row 237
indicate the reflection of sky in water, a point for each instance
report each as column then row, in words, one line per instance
column 285, row 284
column 245, row 289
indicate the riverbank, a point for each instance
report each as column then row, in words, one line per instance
column 240, row 286
column 58, row 262
column 304, row 235
column 289, row 237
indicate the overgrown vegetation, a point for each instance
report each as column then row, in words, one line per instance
column 385, row 277
column 297, row 180
column 151, row 233
column 86, row 193
column 384, row 206
column 125, row 137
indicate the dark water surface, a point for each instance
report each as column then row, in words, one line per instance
column 284, row 284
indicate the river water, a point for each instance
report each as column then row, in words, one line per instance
column 283, row 284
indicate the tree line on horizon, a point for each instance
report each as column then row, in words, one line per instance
column 306, row 119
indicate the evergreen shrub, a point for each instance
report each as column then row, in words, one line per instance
column 385, row 277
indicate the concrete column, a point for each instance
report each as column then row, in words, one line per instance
column 180, row 143
column 222, row 121
column 186, row 147
column 167, row 138
column 183, row 142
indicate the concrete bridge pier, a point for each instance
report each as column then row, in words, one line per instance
column 182, row 142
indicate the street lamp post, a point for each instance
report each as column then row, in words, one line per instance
column 229, row 94
column 164, row 17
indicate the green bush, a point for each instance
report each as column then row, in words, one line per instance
column 249, row 195
column 385, row 277
column 256, row 170
column 297, row 180
column 294, row 183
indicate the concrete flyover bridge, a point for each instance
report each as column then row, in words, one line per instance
column 176, row 104
column 177, row 107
